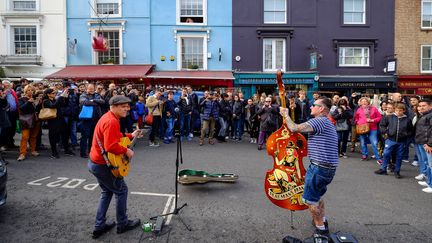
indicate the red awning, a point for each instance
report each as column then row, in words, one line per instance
column 221, row 75
column 211, row 78
column 102, row 72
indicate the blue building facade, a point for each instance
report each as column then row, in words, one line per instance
column 125, row 23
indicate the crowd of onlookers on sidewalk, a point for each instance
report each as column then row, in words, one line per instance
column 390, row 124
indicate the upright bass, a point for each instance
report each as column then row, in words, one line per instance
column 284, row 184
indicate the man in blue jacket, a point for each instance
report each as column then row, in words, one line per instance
column 210, row 115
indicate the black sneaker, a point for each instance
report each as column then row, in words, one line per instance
column 106, row 228
column 397, row 175
column 132, row 224
column 381, row 172
column 55, row 156
column 85, row 156
column 69, row 152
column 324, row 233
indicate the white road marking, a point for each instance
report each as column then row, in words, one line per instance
column 55, row 183
column 153, row 194
column 38, row 184
column 170, row 216
column 73, row 183
column 91, row 187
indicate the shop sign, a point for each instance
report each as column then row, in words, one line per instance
column 354, row 85
column 424, row 91
column 268, row 81
column 414, row 84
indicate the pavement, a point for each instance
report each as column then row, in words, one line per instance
column 55, row 200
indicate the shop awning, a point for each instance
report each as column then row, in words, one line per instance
column 223, row 75
column 102, row 72
column 211, row 78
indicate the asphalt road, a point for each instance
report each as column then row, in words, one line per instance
column 55, row 200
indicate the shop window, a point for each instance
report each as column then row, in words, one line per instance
column 275, row 12
column 426, row 59
column 354, row 56
column 192, row 53
column 191, row 11
column 426, row 14
column 24, row 40
column 354, row 11
column 112, row 56
column 274, row 54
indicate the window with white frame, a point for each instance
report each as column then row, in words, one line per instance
column 106, row 8
column 193, row 53
column 24, row 40
column 113, row 53
column 354, row 56
column 274, row 11
column 426, row 59
column 192, row 11
column 354, row 11
column 274, row 54
column 426, row 13
column 24, row 5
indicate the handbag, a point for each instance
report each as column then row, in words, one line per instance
column 342, row 125
column 27, row 120
column 86, row 112
column 149, row 118
column 47, row 113
column 362, row 129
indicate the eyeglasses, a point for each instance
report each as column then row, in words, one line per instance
column 316, row 105
column 268, row 101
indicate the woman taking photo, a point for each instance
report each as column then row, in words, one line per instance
column 58, row 124
column 27, row 118
column 367, row 119
column 342, row 114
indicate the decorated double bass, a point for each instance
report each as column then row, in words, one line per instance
column 284, row 184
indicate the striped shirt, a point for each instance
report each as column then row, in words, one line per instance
column 323, row 141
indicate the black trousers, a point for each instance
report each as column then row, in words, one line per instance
column 155, row 128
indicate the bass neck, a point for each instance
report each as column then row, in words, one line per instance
column 134, row 141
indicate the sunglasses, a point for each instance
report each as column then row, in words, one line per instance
column 316, row 105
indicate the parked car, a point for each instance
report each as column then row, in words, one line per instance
column 3, row 180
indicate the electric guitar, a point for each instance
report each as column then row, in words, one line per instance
column 120, row 163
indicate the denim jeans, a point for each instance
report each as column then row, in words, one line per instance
column 422, row 158
column 342, row 140
column 109, row 185
column 389, row 147
column 87, row 130
column 372, row 135
column 185, row 122
column 316, row 181
column 223, row 126
column 429, row 169
column 236, row 128
column 169, row 129
column 73, row 133
column 242, row 126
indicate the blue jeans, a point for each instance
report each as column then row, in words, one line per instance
column 422, row 158
column 185, row 121
column 169, row 129
column 372, row 135
column 242, row 126
column 389, row 147
column 109, row 185
column 223, row 126
column 87, row 130
column 236, row 128
column 316, row 181
column 429, row 169
column 73, row 134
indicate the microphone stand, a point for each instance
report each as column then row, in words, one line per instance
column 179, row 159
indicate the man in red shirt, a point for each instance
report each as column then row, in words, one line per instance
column 107, row 131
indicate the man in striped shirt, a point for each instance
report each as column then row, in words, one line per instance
column 323, row 155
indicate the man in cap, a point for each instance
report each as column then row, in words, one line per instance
column 107, row 135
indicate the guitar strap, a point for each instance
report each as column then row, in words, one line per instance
column 104, row 153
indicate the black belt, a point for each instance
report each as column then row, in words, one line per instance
column 325, row 166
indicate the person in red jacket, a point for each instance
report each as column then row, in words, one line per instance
column 107, row 134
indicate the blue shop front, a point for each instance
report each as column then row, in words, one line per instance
column 257, row 83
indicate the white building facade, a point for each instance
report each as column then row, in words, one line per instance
column 33, row 40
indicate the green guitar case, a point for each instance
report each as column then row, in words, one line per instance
column 198, row 176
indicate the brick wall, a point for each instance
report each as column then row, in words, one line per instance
column 409, row 36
